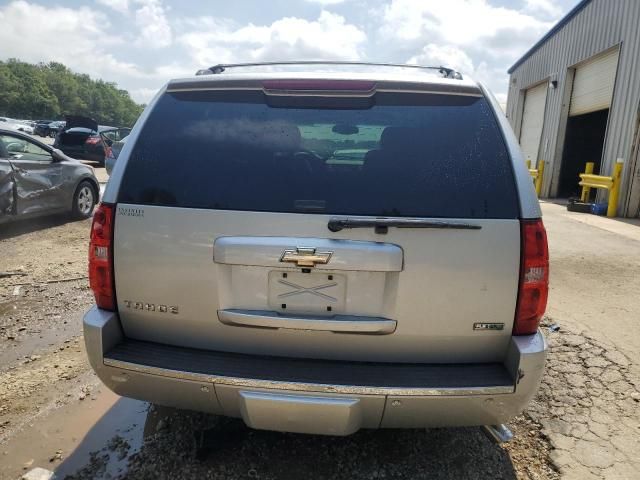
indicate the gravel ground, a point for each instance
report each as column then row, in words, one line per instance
column 40, row 347
column 190, row 445
column 48, row 260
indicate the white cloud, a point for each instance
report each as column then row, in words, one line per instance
column 445, row 56
column 326, row 2
column 546, row 7
column 328, row 37
column 79, row 39
column 121, row 6
column 474, row 36
column 74, row 37
column 458, row 22
column 153, row 25
column 143, row 94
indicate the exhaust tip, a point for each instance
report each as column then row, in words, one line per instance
column 498, row 433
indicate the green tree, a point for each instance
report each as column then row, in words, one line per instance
column 52, row 90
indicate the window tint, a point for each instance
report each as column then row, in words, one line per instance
column 415, row 155
column 20, row 149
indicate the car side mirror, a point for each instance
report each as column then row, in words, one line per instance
column 57, row 155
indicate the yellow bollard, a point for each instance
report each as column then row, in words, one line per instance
column 539, row 177
column 612, row 208
column 585, row 190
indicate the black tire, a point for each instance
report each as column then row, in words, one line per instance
column 84, row 200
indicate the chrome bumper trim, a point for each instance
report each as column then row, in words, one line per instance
column 307, row 387
column 337, row 324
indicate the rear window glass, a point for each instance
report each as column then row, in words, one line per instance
column 414, row 155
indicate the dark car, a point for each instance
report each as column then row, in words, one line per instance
column 84, row 139
column 36, row 179
column 42, row 128
column 48, row 128
column 112, row 154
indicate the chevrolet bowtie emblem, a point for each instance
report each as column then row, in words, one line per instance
column 305, row 257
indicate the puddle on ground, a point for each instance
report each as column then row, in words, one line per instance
column 77, row 430
column 43, row 338
column 11, row 307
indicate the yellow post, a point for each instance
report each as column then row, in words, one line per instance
column 612, row 208
column 539, row 177
column 585, row 190
column 528, row 162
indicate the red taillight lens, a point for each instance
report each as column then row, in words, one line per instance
column 101, row 257
column 92, row 140
column 534, row 278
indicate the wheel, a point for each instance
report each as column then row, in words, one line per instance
column 84, row 200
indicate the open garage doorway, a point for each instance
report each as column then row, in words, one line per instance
column 584, row 143
column 591, row 96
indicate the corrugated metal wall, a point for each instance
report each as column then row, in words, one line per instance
column 601, row 25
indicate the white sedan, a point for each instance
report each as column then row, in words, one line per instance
column 23, row 127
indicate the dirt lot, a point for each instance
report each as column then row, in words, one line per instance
column 585, row 422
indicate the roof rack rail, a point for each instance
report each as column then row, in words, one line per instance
column 220, row 68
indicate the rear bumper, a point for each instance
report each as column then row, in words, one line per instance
column 314, row 396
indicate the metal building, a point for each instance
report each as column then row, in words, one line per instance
column 574, row 97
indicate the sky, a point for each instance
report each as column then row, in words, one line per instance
column 140, row 44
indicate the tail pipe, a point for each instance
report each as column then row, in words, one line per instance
column 498, row 433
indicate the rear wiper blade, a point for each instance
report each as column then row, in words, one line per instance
column 382, row 225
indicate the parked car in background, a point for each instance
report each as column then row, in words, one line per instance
column 42, row 127
column 36, row 179
column 56, row 127
column 24, row 128
column 321, row 252
column 84, row 139
column 17, row 125
column 113, row 153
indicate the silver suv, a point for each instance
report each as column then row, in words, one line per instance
column 322, row 251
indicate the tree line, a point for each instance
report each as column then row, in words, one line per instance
column 51, row 91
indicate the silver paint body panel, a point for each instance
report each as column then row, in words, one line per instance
column 450, row 280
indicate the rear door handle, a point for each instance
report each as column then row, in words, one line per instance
column 335, row 323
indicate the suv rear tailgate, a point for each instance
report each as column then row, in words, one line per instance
column 224, row 192
column 449, row 281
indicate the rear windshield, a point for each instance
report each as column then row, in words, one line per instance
column 413, row 155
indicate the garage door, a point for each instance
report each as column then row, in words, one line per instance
column 535, row 100
column 593, row 84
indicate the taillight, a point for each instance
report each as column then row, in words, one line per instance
column 92, row 140
column 101, row 257
column 534, row 277
column 323, row 85
column 108, row 152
